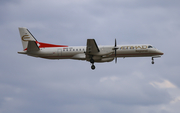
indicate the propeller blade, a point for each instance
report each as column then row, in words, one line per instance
column 115, row 48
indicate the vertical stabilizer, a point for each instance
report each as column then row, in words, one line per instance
column 26, row 36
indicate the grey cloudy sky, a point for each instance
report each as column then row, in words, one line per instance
column 33, row 85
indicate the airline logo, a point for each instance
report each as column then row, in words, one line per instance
column 25, row 38
column 134, row 47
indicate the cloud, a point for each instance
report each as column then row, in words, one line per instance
column 177, row 99
column 164, row 84
column 112, row 78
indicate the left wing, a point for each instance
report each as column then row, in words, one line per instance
column 91, row 47
column 93, row 54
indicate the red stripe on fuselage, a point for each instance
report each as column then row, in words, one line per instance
column 45, row 45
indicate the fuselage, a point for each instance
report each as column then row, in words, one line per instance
column 78, row 52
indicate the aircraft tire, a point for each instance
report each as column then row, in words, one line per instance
column 93, row 67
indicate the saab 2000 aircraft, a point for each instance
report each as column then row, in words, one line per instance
column 91, row 52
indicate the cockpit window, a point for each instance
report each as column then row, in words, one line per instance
column 150, row 46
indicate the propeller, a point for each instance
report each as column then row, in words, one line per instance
column 115, row 49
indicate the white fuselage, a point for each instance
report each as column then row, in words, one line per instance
column 79, row 52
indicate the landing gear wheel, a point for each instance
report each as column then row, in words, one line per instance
column 152, row 62
column 93, row 67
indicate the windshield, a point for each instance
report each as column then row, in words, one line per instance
column 150, row 46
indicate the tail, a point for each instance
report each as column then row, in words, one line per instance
column 30, row 44
column 26, row 37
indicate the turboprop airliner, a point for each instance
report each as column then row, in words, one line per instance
column 91, row 52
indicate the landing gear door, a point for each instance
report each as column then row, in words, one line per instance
column 59, row 51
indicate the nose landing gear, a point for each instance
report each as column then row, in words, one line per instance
column 152, row 60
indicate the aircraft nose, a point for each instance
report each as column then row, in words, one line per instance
column 159, row 52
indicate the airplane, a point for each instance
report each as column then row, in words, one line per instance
column 91, row 52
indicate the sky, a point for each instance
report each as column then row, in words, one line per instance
column 133, row 85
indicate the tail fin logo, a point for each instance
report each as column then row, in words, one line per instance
column 25, row 38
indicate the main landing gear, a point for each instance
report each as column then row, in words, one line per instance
column 92, row 62
column 152, row 60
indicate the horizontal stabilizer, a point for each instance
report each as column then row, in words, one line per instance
column 32, row 46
